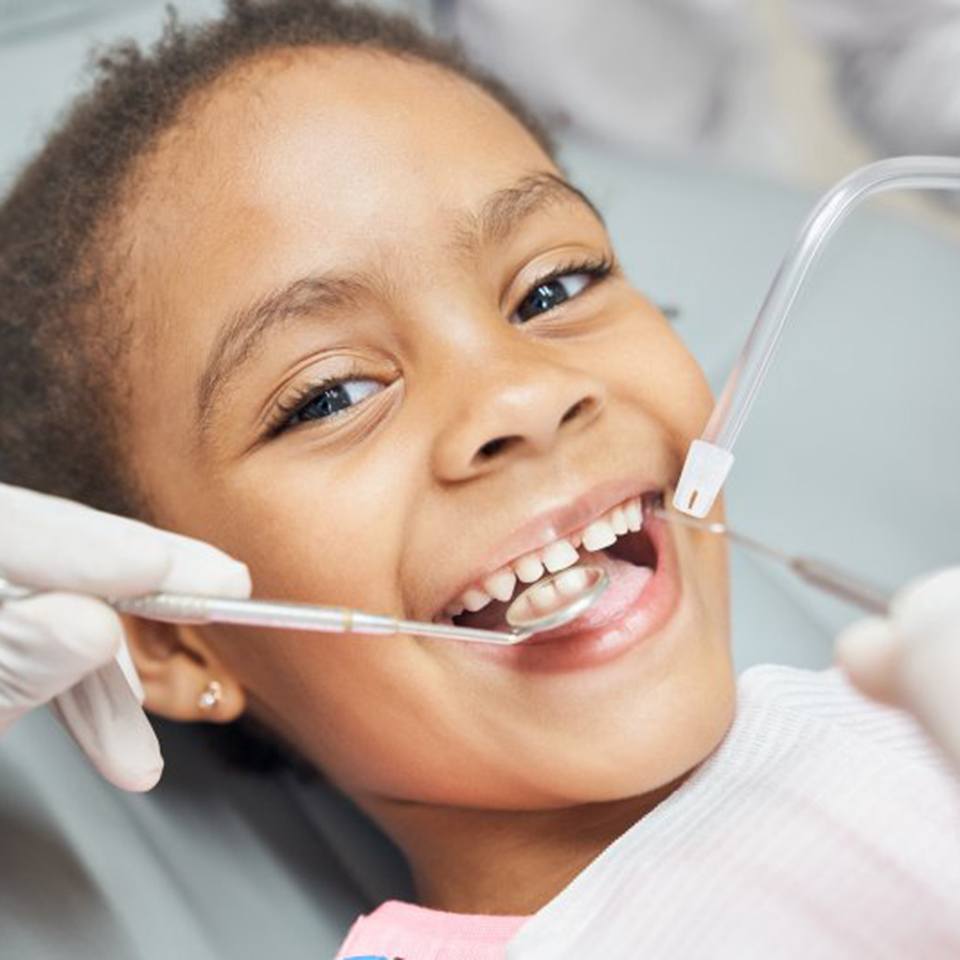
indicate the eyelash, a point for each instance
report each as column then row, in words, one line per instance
column 287, row 409
column 597, row 269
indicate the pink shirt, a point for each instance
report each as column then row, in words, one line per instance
column 824, row 826
column 407, row 932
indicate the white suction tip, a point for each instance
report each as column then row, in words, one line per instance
column 704, row 473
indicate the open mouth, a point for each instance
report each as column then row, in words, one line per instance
column 615, row 540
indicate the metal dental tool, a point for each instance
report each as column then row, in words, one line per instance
column 711, row 456
column 817, row 573
column 544, row 605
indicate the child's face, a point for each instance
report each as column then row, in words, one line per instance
column 413, row 216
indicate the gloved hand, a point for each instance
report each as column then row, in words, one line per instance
column 911, row 659
column 67, row 649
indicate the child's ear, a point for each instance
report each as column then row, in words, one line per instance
column 181, row 676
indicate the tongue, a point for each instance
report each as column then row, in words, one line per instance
column 626, row 579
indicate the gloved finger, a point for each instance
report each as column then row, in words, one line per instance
column 126, row 664
column 48, row 643
column 869, row 651
column 928, row 602
column 926, row 615
column 53, row 543
column 104, row 716
column 198, row 567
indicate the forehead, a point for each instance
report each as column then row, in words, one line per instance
column 363, row 143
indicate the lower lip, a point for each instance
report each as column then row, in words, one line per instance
column 637, row 618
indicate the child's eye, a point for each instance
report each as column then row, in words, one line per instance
column 553, row 290
column 326, row 400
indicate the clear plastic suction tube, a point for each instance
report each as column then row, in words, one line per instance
column 711, row 457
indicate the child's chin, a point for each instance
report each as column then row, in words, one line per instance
column 648, row 732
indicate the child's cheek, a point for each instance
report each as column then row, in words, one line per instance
column 645, row 364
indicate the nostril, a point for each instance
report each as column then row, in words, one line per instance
column 493, row 447
column 577, row 409
column 499, row 445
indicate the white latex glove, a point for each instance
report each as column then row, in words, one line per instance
column 912, row 658
column 68, row 650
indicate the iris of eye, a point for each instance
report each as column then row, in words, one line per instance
column 333, row 399
column 543, row 298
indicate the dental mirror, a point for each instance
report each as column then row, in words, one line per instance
column 557, row 599
column 545, row 605
column 549, row 603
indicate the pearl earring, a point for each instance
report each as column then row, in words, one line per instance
column 211, row 696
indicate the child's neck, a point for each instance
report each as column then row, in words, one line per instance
column 505, row 862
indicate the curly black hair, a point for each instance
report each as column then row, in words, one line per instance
column 64, row 322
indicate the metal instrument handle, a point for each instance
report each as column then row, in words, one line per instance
column 184, row 608
column 295, row 616
column 817, row 573
column 841, row 584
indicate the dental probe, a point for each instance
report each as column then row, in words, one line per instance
column 710, row 457
column 549, row 603
column 817, row 573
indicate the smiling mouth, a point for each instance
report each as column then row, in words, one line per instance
column 615, row 540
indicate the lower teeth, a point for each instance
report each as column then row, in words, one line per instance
column 611, row 559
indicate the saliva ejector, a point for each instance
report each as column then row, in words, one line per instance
column 710, row 457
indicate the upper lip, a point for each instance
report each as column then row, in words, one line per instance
column 563, row 517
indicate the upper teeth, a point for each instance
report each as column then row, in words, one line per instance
column 558, row 555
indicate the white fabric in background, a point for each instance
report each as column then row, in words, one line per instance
column 698, row 75
column 897, row 68
column 673, row 74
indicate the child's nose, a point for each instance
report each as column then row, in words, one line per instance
column 509, row 414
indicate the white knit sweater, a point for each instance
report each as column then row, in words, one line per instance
column 824, row 827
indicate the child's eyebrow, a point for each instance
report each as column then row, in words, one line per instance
column 500, row 214
column 503, row 211
column 238, row 338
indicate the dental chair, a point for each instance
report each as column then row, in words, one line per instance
column 852, row 453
